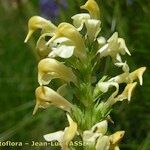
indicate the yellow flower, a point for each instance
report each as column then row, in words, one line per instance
column 127, row 93
column 138, row 73
column 62, row 47
column 93, row 28
column 109, row 142
column 63, row 137
column 41, row 47
column 130, row 77
column 98, row 130
column 92, row 7
column 37, row 22
column 115, row 139
column 92, row 25
column 49, row 69
column 100, row 127
column 103, row 143
column 114, row 47
column 79, row 20
column 45, row 97
column 69, row 31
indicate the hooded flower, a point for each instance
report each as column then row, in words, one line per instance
column 127, row 93
column 96, row 137
column 63, row 137
column 61, row 47
column 70, row 32
column 114, row 47
column 138, row 73
column 103, row 87
column 79, row 20
column 103, row 143
column 92, row 7
column 92, row 23
column 115, row 139
column 49, row 69
column 109, row 142
column 45, row 97
column 130, row 77
column 98, row 130
column 93, row 28
column 37, row 22
column 42, row 49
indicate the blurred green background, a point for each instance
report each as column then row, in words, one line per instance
column 18, row 71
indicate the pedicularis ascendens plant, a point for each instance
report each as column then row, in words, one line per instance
column 74, row 54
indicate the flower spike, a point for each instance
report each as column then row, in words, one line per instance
column 75, row 55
